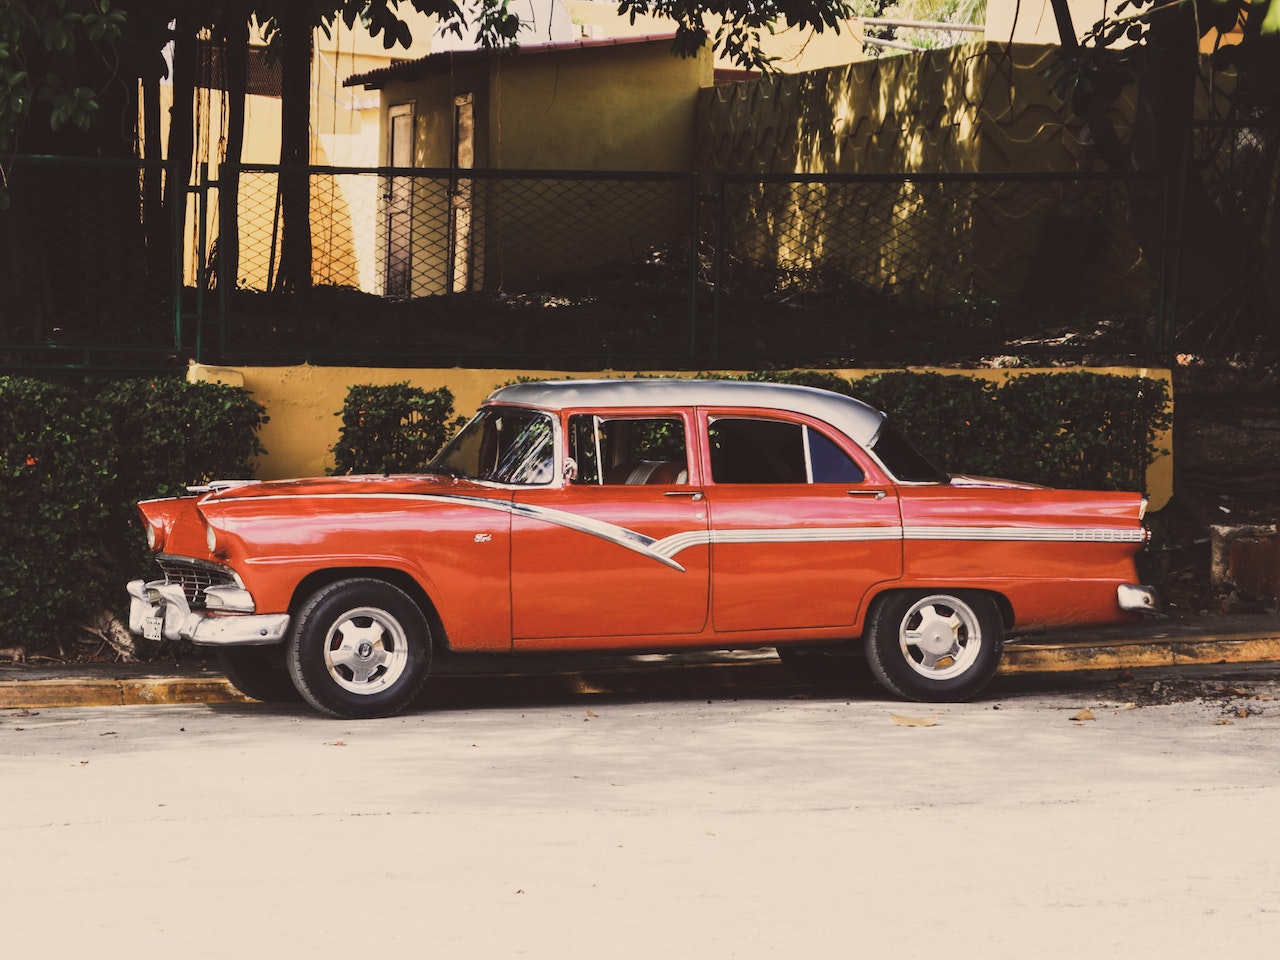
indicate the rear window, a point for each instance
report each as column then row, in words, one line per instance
column 904, row 461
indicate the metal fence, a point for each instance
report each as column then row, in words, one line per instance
column 572, row 269
column 931, row 267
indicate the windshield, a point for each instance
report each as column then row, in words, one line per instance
column 904, row 461
column 503, row 445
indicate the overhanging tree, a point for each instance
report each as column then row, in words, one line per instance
column 1229, row 259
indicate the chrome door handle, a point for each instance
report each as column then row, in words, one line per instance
column 691, row 494
column 878, row 494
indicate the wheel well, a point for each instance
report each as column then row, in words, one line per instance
column 1002, row 602
column 397, row 578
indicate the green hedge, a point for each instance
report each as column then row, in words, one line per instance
column 392, row 429
column 75, row 457
column 1074, row 429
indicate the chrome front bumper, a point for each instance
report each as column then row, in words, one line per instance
column 158, row 609
column 1136, row 598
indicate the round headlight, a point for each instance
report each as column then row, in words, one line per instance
column 155, row 536
column 211, row 538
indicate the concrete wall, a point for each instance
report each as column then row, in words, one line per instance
column 303, row 403
column 979, row 106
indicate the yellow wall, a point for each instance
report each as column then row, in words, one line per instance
column 625, row 107
column 303, row 403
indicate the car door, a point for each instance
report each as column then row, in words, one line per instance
column 803, row 523
column 618, row 547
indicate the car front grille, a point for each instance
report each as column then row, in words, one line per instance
column 195, row 576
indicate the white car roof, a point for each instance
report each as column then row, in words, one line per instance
column 857, row 420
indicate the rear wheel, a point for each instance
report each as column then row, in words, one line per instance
column 359, row 648
column 935, row 646
column 259, row 672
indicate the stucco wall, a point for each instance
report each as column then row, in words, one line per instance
column 303, row 403
column 974, row 107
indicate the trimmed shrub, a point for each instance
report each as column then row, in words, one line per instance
column 74, row 460
column 392, row 429
column 55, row 471
column 1084, row 430
column 1074, row 429
column 954, row 421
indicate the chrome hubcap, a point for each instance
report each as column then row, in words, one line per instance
column 940, row 637
column 366, row 650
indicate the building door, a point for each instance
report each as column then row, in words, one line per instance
column 461, row 261
column 398, row 203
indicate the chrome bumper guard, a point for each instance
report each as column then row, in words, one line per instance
column 1135, row 598
column 158, row 609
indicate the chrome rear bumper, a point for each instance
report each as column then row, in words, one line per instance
column 1136, row 598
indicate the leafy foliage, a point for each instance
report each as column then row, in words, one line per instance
column 740, row 25
column 392, row 429
column 55, row 463
column 1078, row 430
column 74, row 460
column 42, row 66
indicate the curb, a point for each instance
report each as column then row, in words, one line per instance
column 91, row 692
column 1024, row 658
column 601, row 676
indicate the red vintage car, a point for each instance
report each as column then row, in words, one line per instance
column 636, row 515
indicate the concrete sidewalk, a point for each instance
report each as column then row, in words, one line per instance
column 1155, row 643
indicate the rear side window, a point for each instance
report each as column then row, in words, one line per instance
column 904, row 461
column 747, row 450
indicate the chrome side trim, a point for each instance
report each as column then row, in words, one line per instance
column 1036, row 534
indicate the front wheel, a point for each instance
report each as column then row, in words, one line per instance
column 935, row 646
column 359, row 648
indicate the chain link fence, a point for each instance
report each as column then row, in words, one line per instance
column 927, row 267
column 430, row 266
column 404, row 266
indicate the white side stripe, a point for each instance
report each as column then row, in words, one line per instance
column 1038, row 534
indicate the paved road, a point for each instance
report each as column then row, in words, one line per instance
column 606, row 827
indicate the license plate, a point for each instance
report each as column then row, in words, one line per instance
column 153, row 628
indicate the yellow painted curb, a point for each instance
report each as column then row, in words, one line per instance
column 1134, row 654
column 47, row 694
column 1019, row 658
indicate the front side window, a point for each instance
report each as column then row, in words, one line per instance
column 746, row 450
column 502, row 445
column 627, row 450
